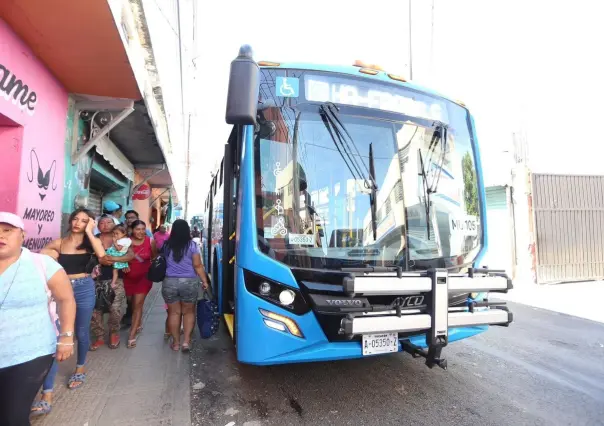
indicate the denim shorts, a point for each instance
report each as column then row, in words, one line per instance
column 180, row 290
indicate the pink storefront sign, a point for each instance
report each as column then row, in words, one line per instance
column 33, row 108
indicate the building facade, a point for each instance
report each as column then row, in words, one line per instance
column 33, row 108
column 83, row 117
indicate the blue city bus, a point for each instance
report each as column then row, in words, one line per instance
column 347, row 217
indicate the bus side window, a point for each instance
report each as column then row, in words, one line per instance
column 221, row 171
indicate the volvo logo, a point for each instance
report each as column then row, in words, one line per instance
column 344, row 302
column 408, row 301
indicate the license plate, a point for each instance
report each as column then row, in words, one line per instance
column 380, row 343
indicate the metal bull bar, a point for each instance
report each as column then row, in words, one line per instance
column 436, row 285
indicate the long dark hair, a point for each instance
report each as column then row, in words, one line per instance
column 136, row 223
column 86, row 244
column 180, row 239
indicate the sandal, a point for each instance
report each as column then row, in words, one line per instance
column 175, row 346
column 40, row 408
column 139, row 330
column 186, row 348
column 131, row 343
column 79, row 378
column 95, row 345
column 114, row 340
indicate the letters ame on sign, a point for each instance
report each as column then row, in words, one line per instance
column 12, row 87
column 142, row 193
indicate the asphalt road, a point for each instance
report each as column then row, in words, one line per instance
column 545, row 369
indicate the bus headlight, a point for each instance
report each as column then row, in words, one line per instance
column 264, row 288
column 286, row 297
column 281, row 295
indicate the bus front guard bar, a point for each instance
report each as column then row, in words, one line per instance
column 435, row 324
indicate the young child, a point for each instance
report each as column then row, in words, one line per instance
column 120, row 246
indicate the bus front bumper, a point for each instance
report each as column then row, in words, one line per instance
column 381, row 328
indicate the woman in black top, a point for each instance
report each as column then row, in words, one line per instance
column 77, row 254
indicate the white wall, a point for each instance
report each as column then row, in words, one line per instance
column 523, row 226
column 177, row 89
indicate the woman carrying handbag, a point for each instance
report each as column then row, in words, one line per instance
column 180, row 286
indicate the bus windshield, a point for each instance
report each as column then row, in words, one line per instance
column 314, row 191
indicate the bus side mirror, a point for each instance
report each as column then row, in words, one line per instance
column 242, row 98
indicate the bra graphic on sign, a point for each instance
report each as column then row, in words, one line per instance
column 43, row 178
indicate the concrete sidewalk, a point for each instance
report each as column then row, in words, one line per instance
column 582, row 299
column 148, row 385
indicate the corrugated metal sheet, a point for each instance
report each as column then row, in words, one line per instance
column 569, row 227
column 496, row 198
column 500, row 253
column 95, row 200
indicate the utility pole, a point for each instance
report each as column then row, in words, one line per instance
column 410, row 46
column 432, row 41
column 182, row 92
column 188, row 170
column 182, row 105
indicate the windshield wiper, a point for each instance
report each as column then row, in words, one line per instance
column 373, row 195
column 337, row 130
column 439, row 137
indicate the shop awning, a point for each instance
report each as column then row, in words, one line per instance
column 79, row 42
column 135, row 137
column 114, row 156
column 127, row 141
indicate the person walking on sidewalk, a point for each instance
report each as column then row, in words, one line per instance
column 131, row 216
column 110, row 209
column 76, row 254
column 136, row 283
column 113, row 210
column 181, row 285
column 161, row 236
column 106, row 226
column 28, row 334
column 195, row 232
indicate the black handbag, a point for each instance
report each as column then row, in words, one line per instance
column 92, row 263
column 157, row 271
column 105, row 295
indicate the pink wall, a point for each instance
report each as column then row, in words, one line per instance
column 11, row 136
column 36, row 164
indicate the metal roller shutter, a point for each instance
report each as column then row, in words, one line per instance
column 499, row 223
column 496, row 198
column 95, row 201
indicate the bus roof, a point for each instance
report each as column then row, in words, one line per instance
column 354, row 71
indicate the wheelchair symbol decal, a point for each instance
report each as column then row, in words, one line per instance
column 288, row 87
